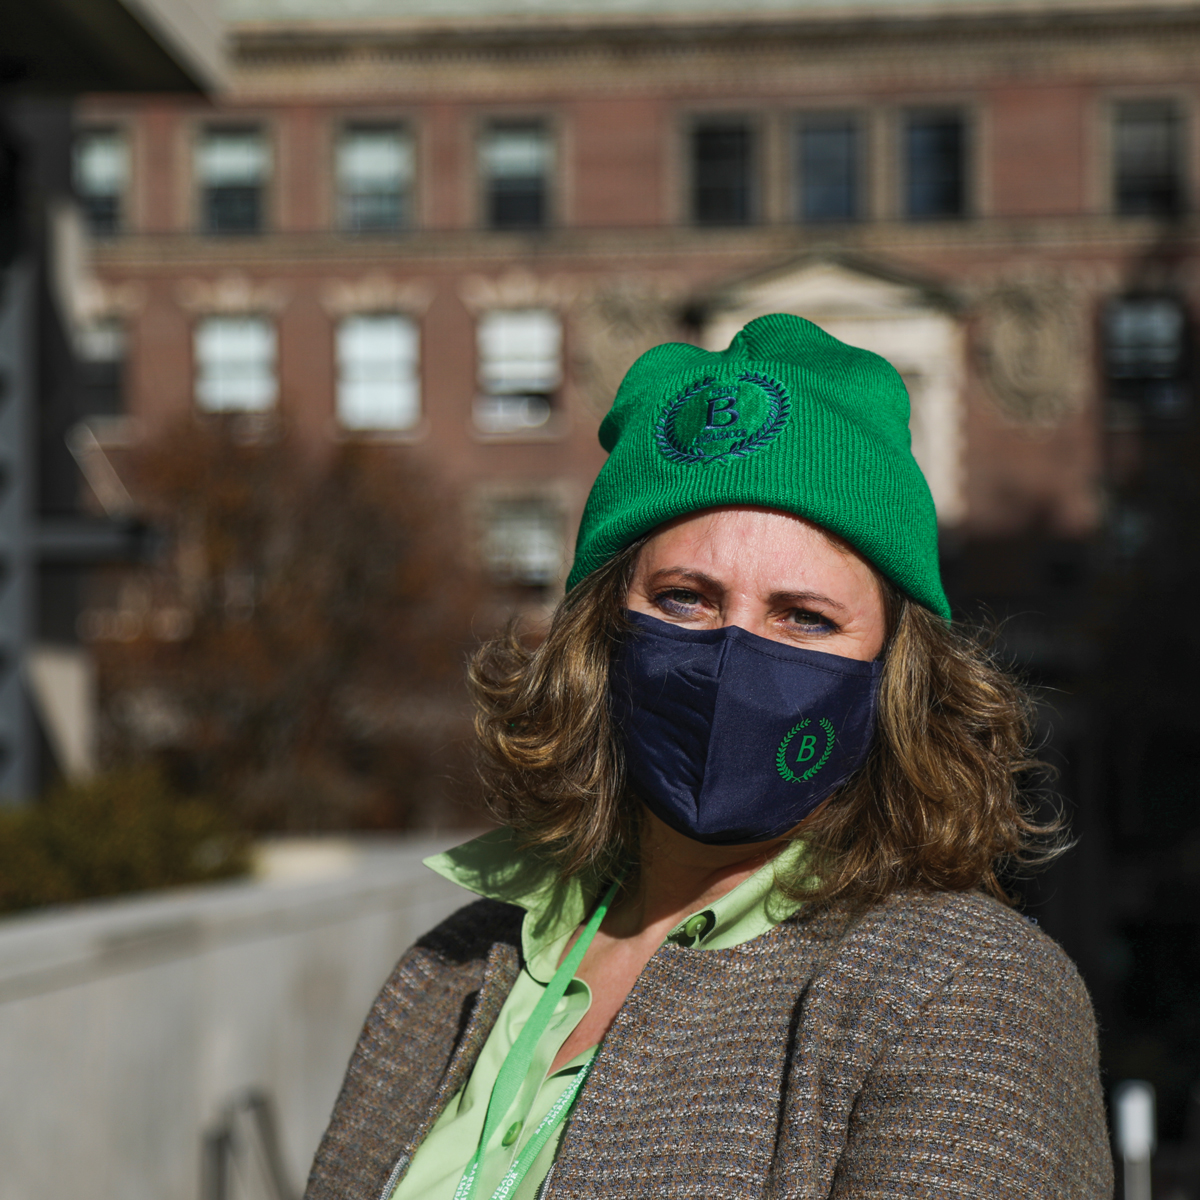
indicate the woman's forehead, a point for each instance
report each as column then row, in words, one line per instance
column 731, row 525
column 756, row 547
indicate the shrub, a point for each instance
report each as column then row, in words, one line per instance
column 122, row 832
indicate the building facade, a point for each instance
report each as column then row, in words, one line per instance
column 454, row 232
column 449, row 228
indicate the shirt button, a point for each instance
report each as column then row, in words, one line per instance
column 696, row 926
column 511, row 1133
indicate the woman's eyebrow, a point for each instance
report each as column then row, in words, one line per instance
column 700, row 579
column 684, row 575
column 796, row 598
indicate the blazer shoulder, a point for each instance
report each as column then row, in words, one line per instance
column 469, row 934
column 952, row 932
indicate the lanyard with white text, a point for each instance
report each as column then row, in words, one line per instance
column 516, row 1067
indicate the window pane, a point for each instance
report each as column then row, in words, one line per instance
column 722, row 173
column 375, row 172
column 520, row 367
column 520, row 351
column 515, row 163
column 516, row 152
column 231, row 156
column 232, row 166
column 1148, row 159
column 1144, row 338
column 101, row 176
column 523, row 542
column 829, row 169
column 235, row 364
column 378, row 375
column 935, row 162
column 102, row 341
column 101, row 362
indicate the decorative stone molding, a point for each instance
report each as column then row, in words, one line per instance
column 519, row 288
column 232, row 294
column 375, row 292
column 613, row 326
column 101, row 299
column 1031, row 346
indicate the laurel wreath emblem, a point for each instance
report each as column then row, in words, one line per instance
column 781, row 753
column 777, row 415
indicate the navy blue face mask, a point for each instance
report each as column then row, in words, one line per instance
column 730, row 737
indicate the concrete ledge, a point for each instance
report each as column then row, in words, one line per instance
column 126, row 1026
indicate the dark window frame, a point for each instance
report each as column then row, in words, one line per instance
column 514, row 571
column 348, row 372
column 517, row 204
column 236, row 210
column 807, row 204
column 405, row 214
column 1146, row 342
column 941, row 191
column 542, row 404
column 203, row 372
column 102, row 369
column 1146, row 193
column 712, row 202
column 105, row 216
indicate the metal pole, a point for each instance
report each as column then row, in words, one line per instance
column 1134, row 1126
column 17, row 566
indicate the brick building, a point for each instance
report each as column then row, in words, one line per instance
column 453, row 230
column 450, row 228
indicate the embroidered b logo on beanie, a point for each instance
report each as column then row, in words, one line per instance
column 714, row 420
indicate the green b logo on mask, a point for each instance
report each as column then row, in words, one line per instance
column 796, row 758
column 716, row 420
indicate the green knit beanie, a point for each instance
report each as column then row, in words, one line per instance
column 789, row 418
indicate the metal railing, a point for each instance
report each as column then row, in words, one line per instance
column 241, row 1157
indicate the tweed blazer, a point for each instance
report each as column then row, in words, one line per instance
column 937, row 1045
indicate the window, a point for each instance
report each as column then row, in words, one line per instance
column 1148, row 159
column 1144, row 338
column 829, row 161
column 232, row 166
column 101, row 170
column 378, row 383
column 935, row 152
column 374, row 176
column 235, row 364
column 523, row 541
column 1145, row 354
column 722, row 155
column 101, row 357
column 515, row 163
column 520, row 368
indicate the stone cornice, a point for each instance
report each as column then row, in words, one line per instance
column 1140, row 44
column 659, row 246
column 514, row 36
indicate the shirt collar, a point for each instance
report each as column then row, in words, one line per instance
column 496, row 867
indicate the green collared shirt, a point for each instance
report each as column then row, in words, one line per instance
column 494, row 867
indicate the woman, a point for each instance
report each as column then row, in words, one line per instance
column 742, row 933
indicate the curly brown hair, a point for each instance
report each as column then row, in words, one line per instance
column 938, row 805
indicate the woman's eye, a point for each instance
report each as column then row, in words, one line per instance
column 677, row 600
column 811, row 622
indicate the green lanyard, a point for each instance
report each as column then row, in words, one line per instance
column 516, row 1067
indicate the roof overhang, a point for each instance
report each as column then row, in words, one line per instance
column 72, row 46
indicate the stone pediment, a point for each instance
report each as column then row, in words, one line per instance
column 833, row 288
column 913, row 323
